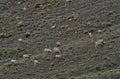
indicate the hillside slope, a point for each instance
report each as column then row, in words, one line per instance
column 30, row 26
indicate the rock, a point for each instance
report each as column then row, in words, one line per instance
column 20, row 40
column 27, row 34
column 3, row 35
column 19, row 2
column 99, row 31
column 53, row 27
column 17, row 17
column 24, row 8
column 19, row 24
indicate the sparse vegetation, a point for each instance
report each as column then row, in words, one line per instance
column 6, row 52
column 59, row 39
column 9, row 64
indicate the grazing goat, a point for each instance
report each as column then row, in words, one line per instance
column 56, row 50
column 36, row 62
column 26, row 56
column 47, row 50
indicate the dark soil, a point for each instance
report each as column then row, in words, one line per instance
column 31, row 20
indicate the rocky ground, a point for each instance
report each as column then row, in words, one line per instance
column 88, row 32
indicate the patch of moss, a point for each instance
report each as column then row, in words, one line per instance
column 9, row 51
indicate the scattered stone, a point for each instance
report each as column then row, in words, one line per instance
column 64, row 26
column 20, row 40
column 19, row 24
column 99, row 31
column 27, row 34
column 70, row 19
column 3, row 35
column 17, row 17
column 24, row 8
column 19, row 2
column 53, row 27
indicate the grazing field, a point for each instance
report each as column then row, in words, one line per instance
column 59, row 39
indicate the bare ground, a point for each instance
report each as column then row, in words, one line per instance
column 73, row 22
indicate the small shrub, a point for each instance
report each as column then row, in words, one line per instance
column 99, row 67
column 72, row 77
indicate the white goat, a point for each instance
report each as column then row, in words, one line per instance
column 36, row 62
column 56, row 50
column 68, row 0
column 47, row 50
column 26, row 56
column 12, row 61
column 58, row 56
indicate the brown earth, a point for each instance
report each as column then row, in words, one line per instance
column 31, row 20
